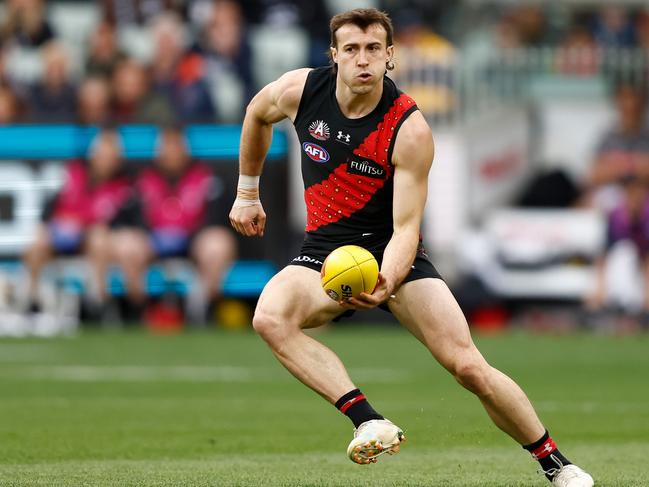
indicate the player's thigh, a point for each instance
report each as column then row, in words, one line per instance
column 295, row 296
column 428, row 309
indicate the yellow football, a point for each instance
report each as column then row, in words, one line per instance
column 349, row 271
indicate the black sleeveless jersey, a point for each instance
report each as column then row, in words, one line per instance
column 346, row 163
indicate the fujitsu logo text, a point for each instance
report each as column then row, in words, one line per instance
column 364, row 167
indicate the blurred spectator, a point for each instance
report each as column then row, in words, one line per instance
column 53, row 98
column 137, row 12
column 613, row 28
column 642, row 30
column 104, row 53
column 10, row 106
column 93, row 102
column 133, row 102
column 312, row 17
column 578, row 53
column 622, row 272
column 624, row 150
column 424, row 65
column 506, row 34
column 434, row 15
column 179, row 75
column 25, row 22
column 76, row 219
column 228, row 57
column 4, row 78
column 180, row 209
column 531, row 25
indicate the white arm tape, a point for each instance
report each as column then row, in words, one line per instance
column 248, row 182
column 243, row 203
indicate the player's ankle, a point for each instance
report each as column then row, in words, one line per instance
column 545, row 452
column 355, row 406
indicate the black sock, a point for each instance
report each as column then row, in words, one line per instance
column 545, row 452
column 355, row 407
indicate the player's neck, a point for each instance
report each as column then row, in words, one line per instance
column 353, row 105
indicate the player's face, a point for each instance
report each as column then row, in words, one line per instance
column 361, row 56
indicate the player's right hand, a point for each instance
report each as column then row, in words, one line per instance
column 248, row 220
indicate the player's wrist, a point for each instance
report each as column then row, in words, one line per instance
column 247, row 191
column 389, row 284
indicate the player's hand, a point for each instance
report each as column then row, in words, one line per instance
column 381, row 294
column 248, row 220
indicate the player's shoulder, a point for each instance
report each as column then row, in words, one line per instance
column 286, row 92
column 414, row 137
column 289, row 87
column 294, row 77
column 415, row 128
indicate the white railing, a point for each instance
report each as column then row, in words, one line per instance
column 453, row 86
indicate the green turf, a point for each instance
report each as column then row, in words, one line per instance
column 214, row 409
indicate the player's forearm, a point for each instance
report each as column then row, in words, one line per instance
column 256, row 136
column 399, row 256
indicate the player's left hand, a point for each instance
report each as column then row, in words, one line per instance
column 381, row 294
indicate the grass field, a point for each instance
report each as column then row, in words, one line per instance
column 214, row 409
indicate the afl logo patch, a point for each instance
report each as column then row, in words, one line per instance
column 319, row 130
column 315, row 152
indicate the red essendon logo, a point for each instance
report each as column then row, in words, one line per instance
column 315, row 152
column 319, row 130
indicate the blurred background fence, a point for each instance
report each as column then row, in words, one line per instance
column 523, row 98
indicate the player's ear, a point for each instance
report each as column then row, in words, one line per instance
column 390, row 52
column 389, row 62
column 333, row 52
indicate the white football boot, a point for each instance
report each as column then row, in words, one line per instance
column 374, row 438
column 569, row 475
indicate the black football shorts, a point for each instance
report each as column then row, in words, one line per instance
column 313, row 254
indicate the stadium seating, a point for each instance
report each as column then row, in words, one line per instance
column 245, row 279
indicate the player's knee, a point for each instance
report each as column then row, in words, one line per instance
column 474, row 376
column 265, row 325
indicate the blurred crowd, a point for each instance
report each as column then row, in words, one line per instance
column 562, row 25
column 174, row 62
column 159, row 61
column 174, row 208
column 131, row 62
column 618, row 186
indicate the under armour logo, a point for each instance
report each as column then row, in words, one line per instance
column 344, row 138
